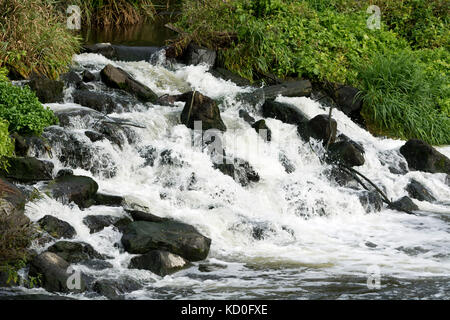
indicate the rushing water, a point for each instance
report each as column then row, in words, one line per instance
column 317, row 239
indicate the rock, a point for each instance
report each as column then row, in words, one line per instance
column 88, row 76
column 418, row 191
column 78, row 189
column 299, row 88
column 57, row 228
column 423, row 157
column 102, row 199
column 406, row 204
column 246, row 116
column 319, row 128
column 159, row 262
column 346, row 153
column 149, row 154
column 29, row 145
column 284, row 112
column 134, row 53
column 210, row 267
column 71, row 78
column 47, row 91
column 348, row 100
column 64, row 172
column 28, row 169
column 94, row 136
column 342, row 178
column 115, row 288
column 179, row 238
column 74, row 252
column 371, row 201
column 201, row 108
column 263, row 130
column 286, row 163
column 119, row 79
column 167, row 158
column 54, row 273
column 105, row 49
column 104, row 102
column 144, row 216
column 98, row 222
column 230, row 76
column 12, row 204
column 96, row 264
column 240, row 170
column 195, row 55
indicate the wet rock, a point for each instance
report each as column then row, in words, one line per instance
column 144, row 216
column 29, row 145
column 64, row 172
column 341, row 177
column 98, row 222
column 284, row 112
column 167, row 100
column 71, row 78
column 199, row 107
column 102, row 199
column 74, row 252
column 88, row 76
column 263, row 130
column 371, row 201
column 423, row 157
column 240, row 170
column 47, row 91
column 54, row 273
column 210, row 267
column 230, row 76
column 57, row 228
column 12, row 205
column 286, row 163
column 105, row 49
column 418, row 191
column 169, row 158
column 115, row 288
column 149, row 154
column 346, row 153
column 348, row 100
column 301, row 88
column 195, row 55
column 119, row 79
column 28, row 169
column 159, row 262
column 96, row 264
column 98, row 101
column 405, row 203
column 94, row 136
column 319, row 129
column 246, row 116
column 179, row 238
column 78, row 189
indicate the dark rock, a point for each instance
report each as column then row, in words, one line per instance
column 71, row 78
column 418, row 191
column 210, row 267
column 167, row 100
column 346, row 153
column 342, row 178
column 98, row 222
column 28, row 169
column 94, row 136
column 105, row 49
column 47, row 91
column 423, row 157
column 140, row 237
column 201, row 108
column 78, row 189
column 195, row 55
column 319, row 128
column 88, row 76
column 54, row 273
column 168, row 158
column 57, row 228
column 29, row 145
column 102, row 199
column 144, row 216
column 149, row 154
column 103, row 102
column 64, row 172
column 96, row 264
column 159, row 262
column 286, row 163
column 247, row 118
column 263, row 130
column 115, row 288
column 240, row 170
column 119, row 79
column 74, row 252
column 134, row 53
column 299, row 88
column 284, row 112
column 12, row 204
column 230, row 76
column 405, row 203
column 349, row 101
column 371, row 200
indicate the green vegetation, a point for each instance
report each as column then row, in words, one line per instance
column 328, row 40
column 6, row 145
column 21, row 108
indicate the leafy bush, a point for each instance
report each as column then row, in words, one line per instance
column 6, row 145
column 21, row 108
column 33, row 37
column 401, row 98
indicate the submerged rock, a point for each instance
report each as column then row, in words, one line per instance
column 159, row 262
column 179, row 238
column 371, row 201
column 74, row 252
column 423, row 157
column 418, row 191
column 78, row 189
column 405, row 203
column 57, row 228
column 28, row 169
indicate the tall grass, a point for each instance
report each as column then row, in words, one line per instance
column 401, row 98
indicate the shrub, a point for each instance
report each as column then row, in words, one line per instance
column 21, row 108
column 33, row 37
column 401, row 98
column 6, row 145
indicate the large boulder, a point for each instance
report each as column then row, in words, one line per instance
column 348, row 99
column 144, row 216
column 47, row 90
column 115, row 289
column 195, row 55
column 78, row 189
column 159, row 262
column 119, row 79
column 321, row 128
column 29, row 145
column 182, row 239
column 199, row 107
column 284, row 112
column 57, row 228
column 54, row 273
column 423, row 157
column 346, row 153
column 74, row 252
column 100, row 101
column 28, row 169
column 405, row 203
column 12, row 204
column 418, row 191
